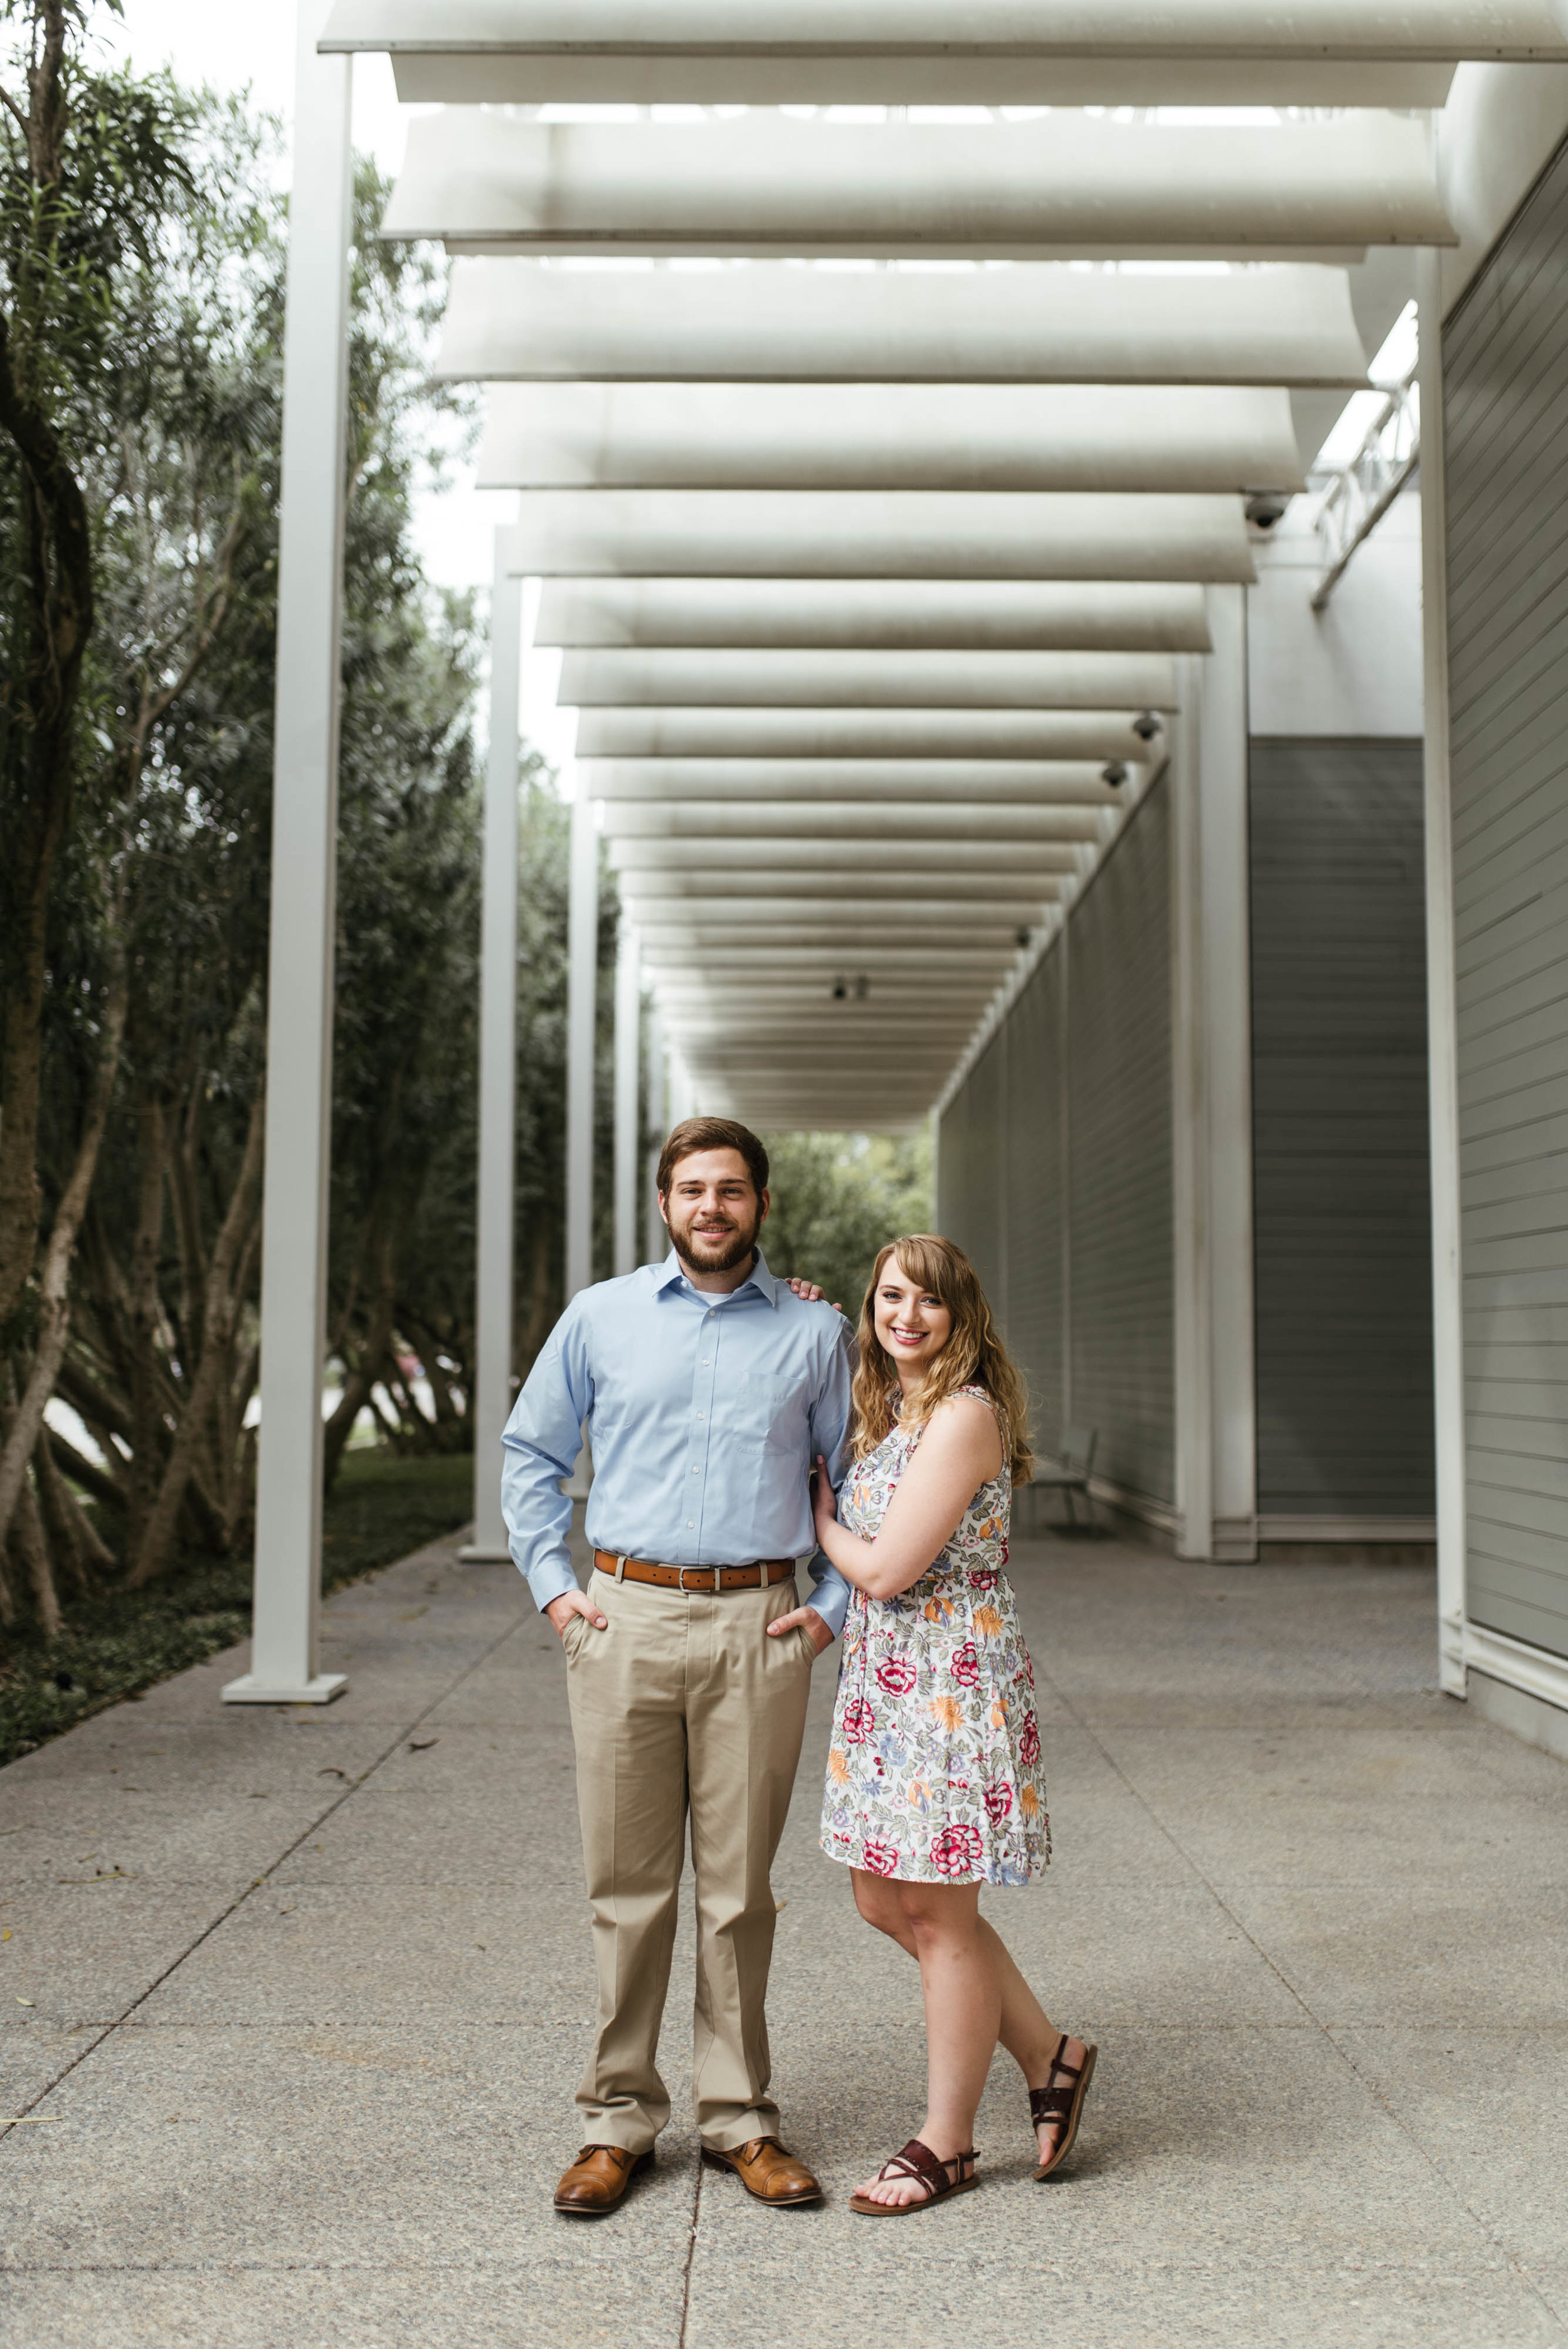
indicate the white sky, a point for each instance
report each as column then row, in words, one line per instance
column 233, row 48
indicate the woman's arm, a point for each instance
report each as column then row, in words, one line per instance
column 960, row 1451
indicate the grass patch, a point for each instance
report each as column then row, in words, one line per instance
column 119, row 1642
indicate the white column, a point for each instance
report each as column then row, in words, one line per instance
column 492, row 1397
column 1443, row 1018
column 1216, row 1383
column 628, row 1089
column 582, row 982
column 304, row 842
column 655, row 1239
column 1194, row 1342
column 1227, row 1018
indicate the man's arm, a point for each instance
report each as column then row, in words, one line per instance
column 830, row 1421
column 538, row 1448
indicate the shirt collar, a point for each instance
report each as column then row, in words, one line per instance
column 672, row 1274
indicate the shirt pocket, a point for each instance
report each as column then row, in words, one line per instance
column 767, row 1413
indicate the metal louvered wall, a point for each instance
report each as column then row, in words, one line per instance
column 1342, row 1220
column 1118, row 1118
column 1055, row 1160
column 1505, row 359
column 1036, row 1169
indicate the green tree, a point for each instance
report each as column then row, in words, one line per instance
column 836, row 1198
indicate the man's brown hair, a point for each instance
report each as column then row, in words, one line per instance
column 694, row 1133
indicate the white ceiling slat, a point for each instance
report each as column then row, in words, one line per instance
column 820, row 680
column 911, row 52
column 878, row 615
column 990, row 437
column 766, row 185
column 772, row 323
column 687, row 822
column 878, row 533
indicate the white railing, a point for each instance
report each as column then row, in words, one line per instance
column 1352, row 499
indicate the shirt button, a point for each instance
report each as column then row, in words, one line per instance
column 700, row 1414
column 690, row 1523
column 695, row 1472
column 705, row 1361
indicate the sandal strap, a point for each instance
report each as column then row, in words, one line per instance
column 1051, row 2104
column 916, row 2160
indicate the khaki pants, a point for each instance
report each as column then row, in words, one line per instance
column 684, row 1705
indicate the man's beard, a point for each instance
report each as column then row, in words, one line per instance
column 714, row 1255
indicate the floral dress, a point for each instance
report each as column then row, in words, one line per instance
column 934, row 1773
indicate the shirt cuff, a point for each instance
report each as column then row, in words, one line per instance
column 549, row 1579
column 830, row 1594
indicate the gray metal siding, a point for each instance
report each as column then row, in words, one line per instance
column 1505, row 357
column 1119, row 1128
column 971, row 1197
column 1341, row 1165
column 1037, row 1194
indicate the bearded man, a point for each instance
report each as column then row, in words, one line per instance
column 708, row 1389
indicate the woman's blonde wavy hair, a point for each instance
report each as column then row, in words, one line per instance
column 973, row 1356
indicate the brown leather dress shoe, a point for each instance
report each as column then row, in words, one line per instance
column 598, row 2179
column 768, row 2170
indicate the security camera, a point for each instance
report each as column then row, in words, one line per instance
column 1265, row 508
column 1115, row 774
column 1146, row 726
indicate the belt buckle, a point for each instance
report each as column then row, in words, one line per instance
column 684, row 1586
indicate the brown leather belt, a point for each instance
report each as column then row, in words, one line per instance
column 763, row 1571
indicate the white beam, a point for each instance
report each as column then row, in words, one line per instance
column 628, row 1072
column 829, row 681
column 888, row 435
column 770, row 184
column 770, row 322
column 764, row 861
column 878, row 534
column 832, row 896
column 582, row 988
column 283, row 1654
column 878, row 615
column 684, row 826
column 903, row 53
column 490, row 1404
column 914, row 778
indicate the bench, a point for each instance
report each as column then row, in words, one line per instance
column 1068, row 1473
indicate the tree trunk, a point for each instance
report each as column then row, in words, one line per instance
column 55, row 1302
column 218, row 1324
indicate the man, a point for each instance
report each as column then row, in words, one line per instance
column 708, row 1389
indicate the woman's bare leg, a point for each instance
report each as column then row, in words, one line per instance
column 963, row 2011
column 1024, row 2028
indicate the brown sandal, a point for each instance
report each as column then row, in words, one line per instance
column 1062, row 2104
column 917, row 2161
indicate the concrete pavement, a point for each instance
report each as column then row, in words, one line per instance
column 294, row 2003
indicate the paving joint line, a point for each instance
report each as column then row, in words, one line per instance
column 1368, row 2086
column 691, row 2254
column 240, row 1898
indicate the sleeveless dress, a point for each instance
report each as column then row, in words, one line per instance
column 934, row 1773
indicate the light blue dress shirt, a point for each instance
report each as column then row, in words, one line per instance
column 705, row 1414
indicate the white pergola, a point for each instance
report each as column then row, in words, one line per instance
column 888, row 481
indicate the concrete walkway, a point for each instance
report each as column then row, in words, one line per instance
column 295, row 2002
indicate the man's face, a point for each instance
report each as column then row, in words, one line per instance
column 713, row 1210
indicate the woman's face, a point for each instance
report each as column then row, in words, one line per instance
column 911, row 1325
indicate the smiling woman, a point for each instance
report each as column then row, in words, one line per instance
column 934, row 1781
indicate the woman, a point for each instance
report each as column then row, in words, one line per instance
column 934, row 1784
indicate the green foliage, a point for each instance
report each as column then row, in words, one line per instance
column 837, row 1199
column 119, row 1643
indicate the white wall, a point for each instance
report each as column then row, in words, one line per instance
column 1354, row 668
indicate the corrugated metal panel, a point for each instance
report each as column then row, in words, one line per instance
column 1037, row 1193
column 1505, row 359
column 971, row 1204
column 1341, row 1168
column 1121, row 1158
